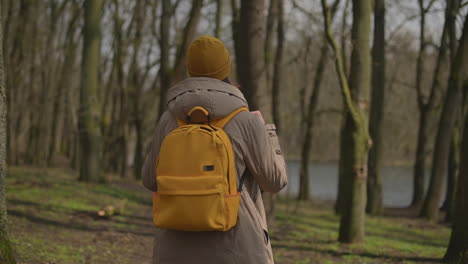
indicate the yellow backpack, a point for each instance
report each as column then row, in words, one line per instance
column 196, row 176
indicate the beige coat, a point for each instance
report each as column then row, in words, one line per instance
column 257, row 153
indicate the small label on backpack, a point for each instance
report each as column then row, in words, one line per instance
column 208, row 168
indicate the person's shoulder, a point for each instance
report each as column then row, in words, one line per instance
column 246, row 122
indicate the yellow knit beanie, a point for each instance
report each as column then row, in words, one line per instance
column 207, row 57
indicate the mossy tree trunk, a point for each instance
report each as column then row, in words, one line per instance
column 374, row 182
column 457, row 251
column 452, row 106
column 355, row 137
column 89, row 117
column 6, row 251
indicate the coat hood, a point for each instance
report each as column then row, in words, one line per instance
column 217, row 97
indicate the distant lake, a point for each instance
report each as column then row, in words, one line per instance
column 323, row 182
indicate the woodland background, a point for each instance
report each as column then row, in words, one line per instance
column 361, row 83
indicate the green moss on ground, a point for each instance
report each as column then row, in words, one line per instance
column 52, row 219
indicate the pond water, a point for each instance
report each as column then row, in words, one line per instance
column 323, row 182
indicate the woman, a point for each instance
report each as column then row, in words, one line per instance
column 258, row 159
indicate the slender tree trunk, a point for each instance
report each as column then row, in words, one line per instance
column 219, row 18
column 89, row 117
column 420, row 162
column 59, row 97
column 452, row 105
column 164, row 54
column 452, row 174
column 187, row 37
column 309, row 121
column 457, row 251
column 355, row 137
column 269, row 34
column 6, row 250
column 277, row 72
column 426, row 107
column 374, row 182
column 343, row 38
column 420, row 159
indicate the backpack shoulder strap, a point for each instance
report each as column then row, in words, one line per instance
column 223, row 121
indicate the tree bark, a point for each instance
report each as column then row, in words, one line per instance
column 251, row 66
column 89, row 117
column 355, row 137
column 6, row 250
column 374, row 182
column 457, row 251
column 250, row 61
column 452, row 106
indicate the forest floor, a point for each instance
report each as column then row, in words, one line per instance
column 53, row 220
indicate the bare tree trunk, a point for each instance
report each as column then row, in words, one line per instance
column 426, row 105
column 219, row 18
column 452, row 106
column 250, row 61
column 269, row 34
column 419, row 168
column 6, row 251
column 164, row 54
column 374, row 182
column 309, row 121
column 251, row 67
column 457, row 251
column 278, row 67
column 235, row 24
column 309, row 117
column 89, row 117
column 452, row 175
column 355, row 137
column 420, row 159
column 344, row 27
column 59, row 96
column 187, row 37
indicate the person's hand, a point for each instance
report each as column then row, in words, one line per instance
column 259, row 115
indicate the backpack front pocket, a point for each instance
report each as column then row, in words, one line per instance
column 190, row 203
